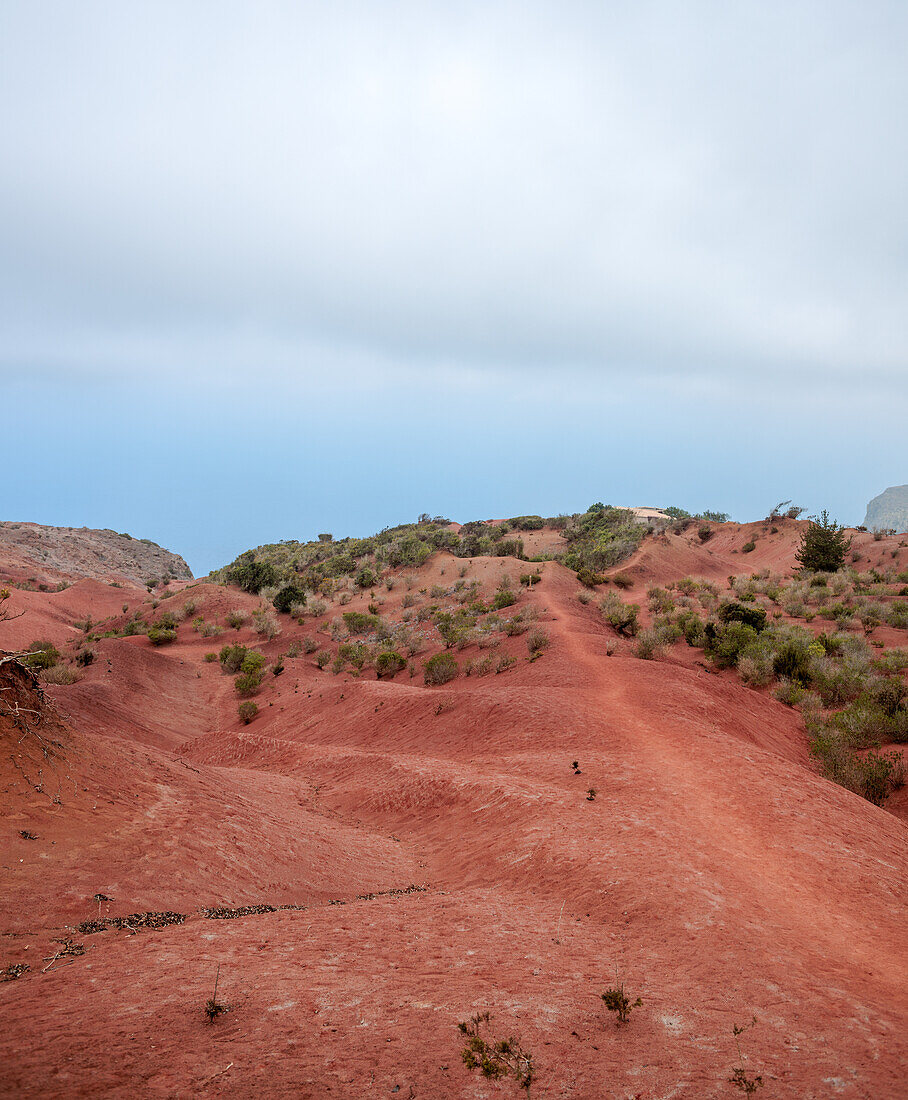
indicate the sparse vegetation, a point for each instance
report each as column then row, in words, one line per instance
column 617, row 1000
column 247, row 710
column 495, row 1058
column 440, row 669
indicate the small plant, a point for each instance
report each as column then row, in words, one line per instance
column 389, row 663
column 440, row 669
column 591, row 793
column 495, row 1058
column 160, row 635
column 537, row 641
column 617, row 1001
column 322, row 658
column 41, row 655
column 247, row 710
column 748, row 547
column 739, row 1078
column 214, row 1007
column 575, row 764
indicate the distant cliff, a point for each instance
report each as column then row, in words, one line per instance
column 84, row 552
column 889, row 509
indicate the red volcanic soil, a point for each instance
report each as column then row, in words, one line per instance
column 446, row 861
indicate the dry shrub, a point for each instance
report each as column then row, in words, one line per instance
column 61, row 675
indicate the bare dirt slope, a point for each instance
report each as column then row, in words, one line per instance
column 51, row 553
column 714, row 870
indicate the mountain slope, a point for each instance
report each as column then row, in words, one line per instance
column 713, row 868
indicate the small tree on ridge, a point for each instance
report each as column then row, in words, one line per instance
column 823, row 545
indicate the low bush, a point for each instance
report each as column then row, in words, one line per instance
column 503, row 598
column 247, row 710
column 160, row 635
column 746, row 613
column 647, row 644
column 265, row 623
column 620, row 616
column 357, row 622
column 232, row 656
column 60, row 674
column 248, row 683
column 389, row 663
column 289, row 596
column 588, row 578
column 440, row 669
column 42, row 655
column 537, row 641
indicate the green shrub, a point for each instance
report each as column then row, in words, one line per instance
column 159, row 635
column 389, row 663
column 248, row 683
column 691, row 627
column 236, row 618
column 726, row 644
column 357, row 622
column 748, row 547
column 85, row 657
column 440, row 669
column 647, row 644
column 232, row 656
column 41, row 655
column 620, row 616
column 247, row 710
column 249, row 574
column 252, row 661
column 503, row 598
column 743, row 613
column 588, row 578
column 210, row 657
column 287, row 597
column 705, row 533
column 623, row 580
column 322, row 658
column 792, row 661
column 366, row 578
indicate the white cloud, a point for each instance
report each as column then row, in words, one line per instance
column 714, row 194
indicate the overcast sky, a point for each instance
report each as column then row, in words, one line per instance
column 268, row 269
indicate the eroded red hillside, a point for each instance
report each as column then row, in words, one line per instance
column 713, row 869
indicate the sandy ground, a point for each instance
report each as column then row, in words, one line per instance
column 714, row 870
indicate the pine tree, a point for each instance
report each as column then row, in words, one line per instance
column 823, row 545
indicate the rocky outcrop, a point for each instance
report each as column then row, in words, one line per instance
column 889, row 510
column 84, row 552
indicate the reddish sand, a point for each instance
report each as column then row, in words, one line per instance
column 714, row 869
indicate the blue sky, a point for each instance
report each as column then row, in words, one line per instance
column 274, row 269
